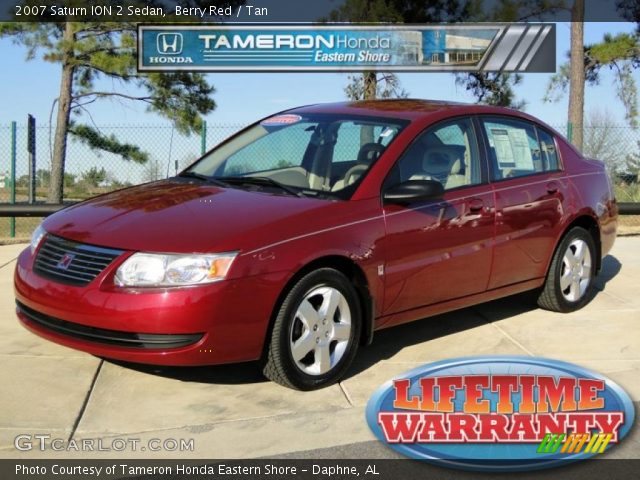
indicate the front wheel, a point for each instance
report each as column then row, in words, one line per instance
column 315, row 333
column 571, row 273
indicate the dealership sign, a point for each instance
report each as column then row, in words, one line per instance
column 484, row 47
column 500, row 413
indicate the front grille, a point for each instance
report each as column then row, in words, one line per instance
column 111, row 337
column 70, row 262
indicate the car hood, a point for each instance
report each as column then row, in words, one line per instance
column 185, row 217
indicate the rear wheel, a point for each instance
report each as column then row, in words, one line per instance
column 316, row 331
column 571, row 275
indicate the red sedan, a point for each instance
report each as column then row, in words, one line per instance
column 294, row 240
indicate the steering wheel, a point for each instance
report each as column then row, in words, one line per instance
column 368, row 153
column 424, row 176
column 354, row 173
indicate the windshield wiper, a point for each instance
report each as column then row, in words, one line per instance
column 205, row 178
column 262, row 181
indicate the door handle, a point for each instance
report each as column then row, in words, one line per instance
column 552, row 187
column 475, row 205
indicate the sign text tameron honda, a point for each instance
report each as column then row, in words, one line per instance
column 500, row 47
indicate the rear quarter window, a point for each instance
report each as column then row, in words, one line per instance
column 548, row 150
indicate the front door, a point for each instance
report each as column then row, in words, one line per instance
column 442, row 249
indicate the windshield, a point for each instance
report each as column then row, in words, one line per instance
column 313, row 155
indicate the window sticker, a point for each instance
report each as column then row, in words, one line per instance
column 512, row 148
column 502, row 146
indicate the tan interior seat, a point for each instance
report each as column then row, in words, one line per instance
column 436, row 165
column 457, row 177
column 443, row 164
column 352, row 176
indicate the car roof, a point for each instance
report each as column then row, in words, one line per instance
column 404, row 108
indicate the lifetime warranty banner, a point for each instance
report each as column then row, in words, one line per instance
column 477, row 47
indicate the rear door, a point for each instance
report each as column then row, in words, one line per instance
column 439, row 250
column 529, row 190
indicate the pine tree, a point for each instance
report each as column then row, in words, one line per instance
column 90, row 51
column 492, row 88
column 619, row 53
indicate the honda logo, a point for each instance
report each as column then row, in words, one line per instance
column 169, row 43
column 65, row 261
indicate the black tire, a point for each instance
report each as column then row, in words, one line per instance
column 279, row 365
column 552, row 297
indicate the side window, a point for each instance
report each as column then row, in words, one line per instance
column 514, row 149
column 549, row 153
column 447, row 153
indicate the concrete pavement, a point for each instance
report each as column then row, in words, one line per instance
column 232, row 412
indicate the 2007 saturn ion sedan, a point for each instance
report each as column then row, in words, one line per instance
column 294, row 240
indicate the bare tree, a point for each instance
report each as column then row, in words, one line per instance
column 152, row 171
column 602, row 140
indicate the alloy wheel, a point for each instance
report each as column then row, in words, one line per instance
column 575, row 275
column 321, row 330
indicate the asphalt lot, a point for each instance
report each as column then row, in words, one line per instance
column 232, row 412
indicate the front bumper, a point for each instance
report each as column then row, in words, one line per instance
column 101, row 335
column 204, row 325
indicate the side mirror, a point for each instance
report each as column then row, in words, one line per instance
column 413, row 191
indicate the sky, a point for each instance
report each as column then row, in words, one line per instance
column 29, row 87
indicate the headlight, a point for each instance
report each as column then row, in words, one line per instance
column 153, row 270
column 36, row 237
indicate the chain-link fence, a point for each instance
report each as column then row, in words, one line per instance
column 618, row 146
column 90, row 171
